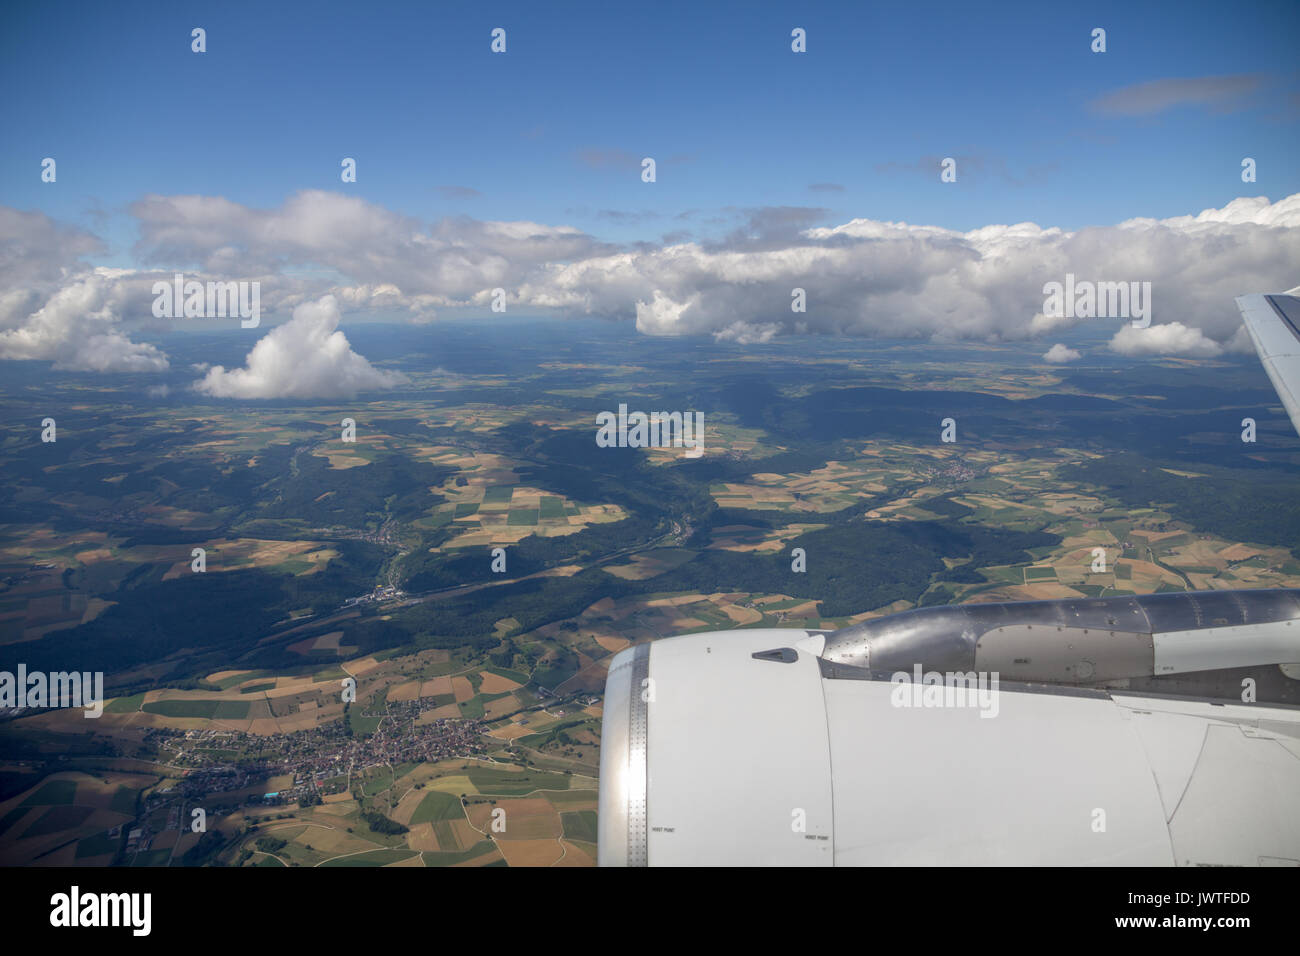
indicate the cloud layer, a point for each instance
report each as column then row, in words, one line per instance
column 863, row 277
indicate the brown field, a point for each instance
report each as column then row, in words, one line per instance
column 496, row 709
column 334, row 842
column 483, row 859
column 461, row 687
column 437, row 687
column 422, row 837
column 575, row 855
column 328, row 642
column 446, row 710
column 759, row 541
column 496, row 684
column 229, row 554
column 409, row 690
column 511, row 731
column 1238, row 552
column 465, row 832
column 611, row 643
column 363, row 666
column 527, row 818
column 407, row 805
column 218, row 676
column 530, row 852
column 340, row 460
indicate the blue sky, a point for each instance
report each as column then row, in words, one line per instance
column 490, row 182
column 712, row 91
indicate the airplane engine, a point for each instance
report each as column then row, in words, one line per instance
column 782, row 747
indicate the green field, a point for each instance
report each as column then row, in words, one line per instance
column 124, row 705
column 498, row 495
column 519, row 677
column 152, row 858
column 55, row 791
column 565, row 798
column 207, row 709
column 362, row 726
column 58, row 818
column 12, row 817
column 489, row 780
column 437, row 806
column 451, row 859
column 124, row 800
column 372, row 858
column 580, row 825
column 228, row 682
column 97, row 845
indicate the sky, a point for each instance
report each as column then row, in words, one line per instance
column 527, row 163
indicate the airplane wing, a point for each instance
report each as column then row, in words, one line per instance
column 1273, row 322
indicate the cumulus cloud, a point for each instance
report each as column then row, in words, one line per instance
column 307, row 357
column 1059, row 354
column 55, row 307
column 77, row 329
column 892, row 279
column 370, row 246
column 863, row 277
column 1172, row 338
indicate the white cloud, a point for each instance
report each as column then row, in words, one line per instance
column 747, row 334
column 1059, row 354
column 77, row 329
column 307, row 357
column 449, row 260
column 862, row 278
column 891, row 279
column 1172, row 338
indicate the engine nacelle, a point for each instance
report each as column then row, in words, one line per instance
column 751, row 747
